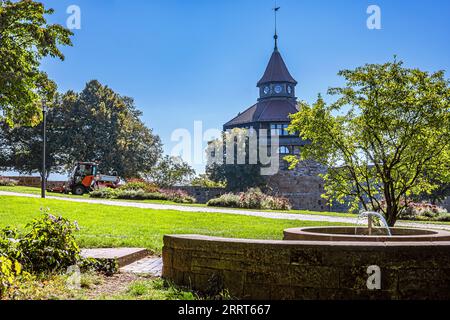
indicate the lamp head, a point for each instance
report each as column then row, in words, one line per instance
column 44, row 106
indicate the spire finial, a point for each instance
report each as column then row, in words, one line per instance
column 275, row 10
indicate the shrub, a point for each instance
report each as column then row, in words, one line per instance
column 106, row 266
column 165, row 195
column 132, row 194
column 138, row 184
column 104, row 193
column 252, row 199
column 6, row 182
column 12, row 278
column 227, row 200
column 276, row 203
column 178, row 196
column 8, row 246
column 423, row 211
column 49, row 245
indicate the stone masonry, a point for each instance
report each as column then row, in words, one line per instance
column 304, row 270
column 302, row 186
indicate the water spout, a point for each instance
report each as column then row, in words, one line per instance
column 369, row 215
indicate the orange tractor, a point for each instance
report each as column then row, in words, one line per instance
column 85, row 178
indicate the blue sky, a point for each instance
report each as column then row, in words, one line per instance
column 199, row 60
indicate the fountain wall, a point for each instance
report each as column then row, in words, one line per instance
column 259, row 269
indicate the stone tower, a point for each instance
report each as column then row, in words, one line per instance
column 277, row 100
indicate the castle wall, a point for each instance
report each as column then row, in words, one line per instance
column 303, row 187
column 446, row 204
column 202, row 194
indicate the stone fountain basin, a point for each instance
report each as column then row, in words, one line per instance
column 361, row 234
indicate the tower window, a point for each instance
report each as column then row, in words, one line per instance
column 279, row 129
column 283, row 150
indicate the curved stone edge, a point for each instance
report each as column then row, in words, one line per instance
column 296, row 270
column 310, row 234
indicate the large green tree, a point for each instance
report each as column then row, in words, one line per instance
column 25, row 39
column 94, row 125
column 170, row 172
column 22, row 148
column 385, row 139
column 100, row 125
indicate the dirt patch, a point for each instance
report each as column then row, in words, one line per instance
column 110, row 286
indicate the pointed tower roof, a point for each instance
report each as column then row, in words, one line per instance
column 276, row 70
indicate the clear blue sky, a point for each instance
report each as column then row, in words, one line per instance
column 185, row 60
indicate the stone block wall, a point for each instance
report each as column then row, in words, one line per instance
column 302, row 186
column 446, row 204
column 201, row 194
column 256, row 269
column 28, row 181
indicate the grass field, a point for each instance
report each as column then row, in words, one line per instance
column 31, row 190
column 108, row 226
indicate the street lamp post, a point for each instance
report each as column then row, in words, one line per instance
column 44, row 142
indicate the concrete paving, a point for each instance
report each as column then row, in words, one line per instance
column 130, row 260
column 262, row 214
column 147, row 266
column 123, row 256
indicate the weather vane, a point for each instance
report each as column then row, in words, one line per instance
column 275, row 10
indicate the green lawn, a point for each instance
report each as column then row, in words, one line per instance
column 31, row 190
column 108, row 226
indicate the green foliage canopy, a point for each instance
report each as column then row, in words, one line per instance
column 26, row 38
column 385, row 139
column 170, row 172
column 95, row 125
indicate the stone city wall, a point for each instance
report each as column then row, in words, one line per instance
column 303, row 187
column 446, row 204
column 28, row 181
column 202, row 194
column 256, row 269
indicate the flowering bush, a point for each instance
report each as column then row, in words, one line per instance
column 165, row 195
column 277, row 203
column 178, row 196
column 50, row 245
column 252, row 199
column 423, row 211
column 227, row 200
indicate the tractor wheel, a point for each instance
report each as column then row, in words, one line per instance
column 78, row 190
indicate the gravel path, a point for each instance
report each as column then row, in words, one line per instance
column 269, row 215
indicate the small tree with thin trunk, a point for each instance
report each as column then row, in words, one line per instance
column 385, row 139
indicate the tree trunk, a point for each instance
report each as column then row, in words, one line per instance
column 391, row 214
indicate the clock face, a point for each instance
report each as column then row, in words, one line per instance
column 289, row 89
column 266, row 90
column 278, row 89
